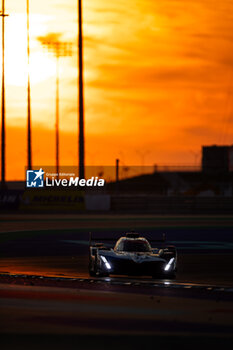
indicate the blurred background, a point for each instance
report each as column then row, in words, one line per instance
column 157, row 81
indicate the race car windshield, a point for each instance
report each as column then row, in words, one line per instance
column 133, row 246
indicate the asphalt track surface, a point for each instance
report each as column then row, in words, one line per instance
column 58, row 245
column 48, row 298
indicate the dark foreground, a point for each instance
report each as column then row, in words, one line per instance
column 48, row 301
column 114, row 342
column 86, row 317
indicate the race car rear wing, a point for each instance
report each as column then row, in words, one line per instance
column 132, row 235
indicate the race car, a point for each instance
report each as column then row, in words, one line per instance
column 132, row 255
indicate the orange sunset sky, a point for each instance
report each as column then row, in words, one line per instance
column 158, row 81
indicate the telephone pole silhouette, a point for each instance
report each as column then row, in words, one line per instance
column 29, row 141
column 59, row 49
column 3, row 128
column 80, row 94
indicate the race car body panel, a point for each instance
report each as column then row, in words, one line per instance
column 132, row 256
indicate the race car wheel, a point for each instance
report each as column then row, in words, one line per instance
column 103, row 274
column 92, row 272
column 96, row 273
column 171, row 276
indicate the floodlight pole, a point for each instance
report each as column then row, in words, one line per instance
column 3, row 148
column 80, row 94
column 29, row 155
column 57, row 113
column 59, row 49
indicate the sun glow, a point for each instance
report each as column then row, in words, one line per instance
column 157, row 79
column 42, row 65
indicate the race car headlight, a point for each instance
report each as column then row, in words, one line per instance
column 169, row 264
column 105, row 261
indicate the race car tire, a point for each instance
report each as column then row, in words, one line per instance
column 93, row 272
column 169, row 276
column 103, row 274
column 97, row 273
